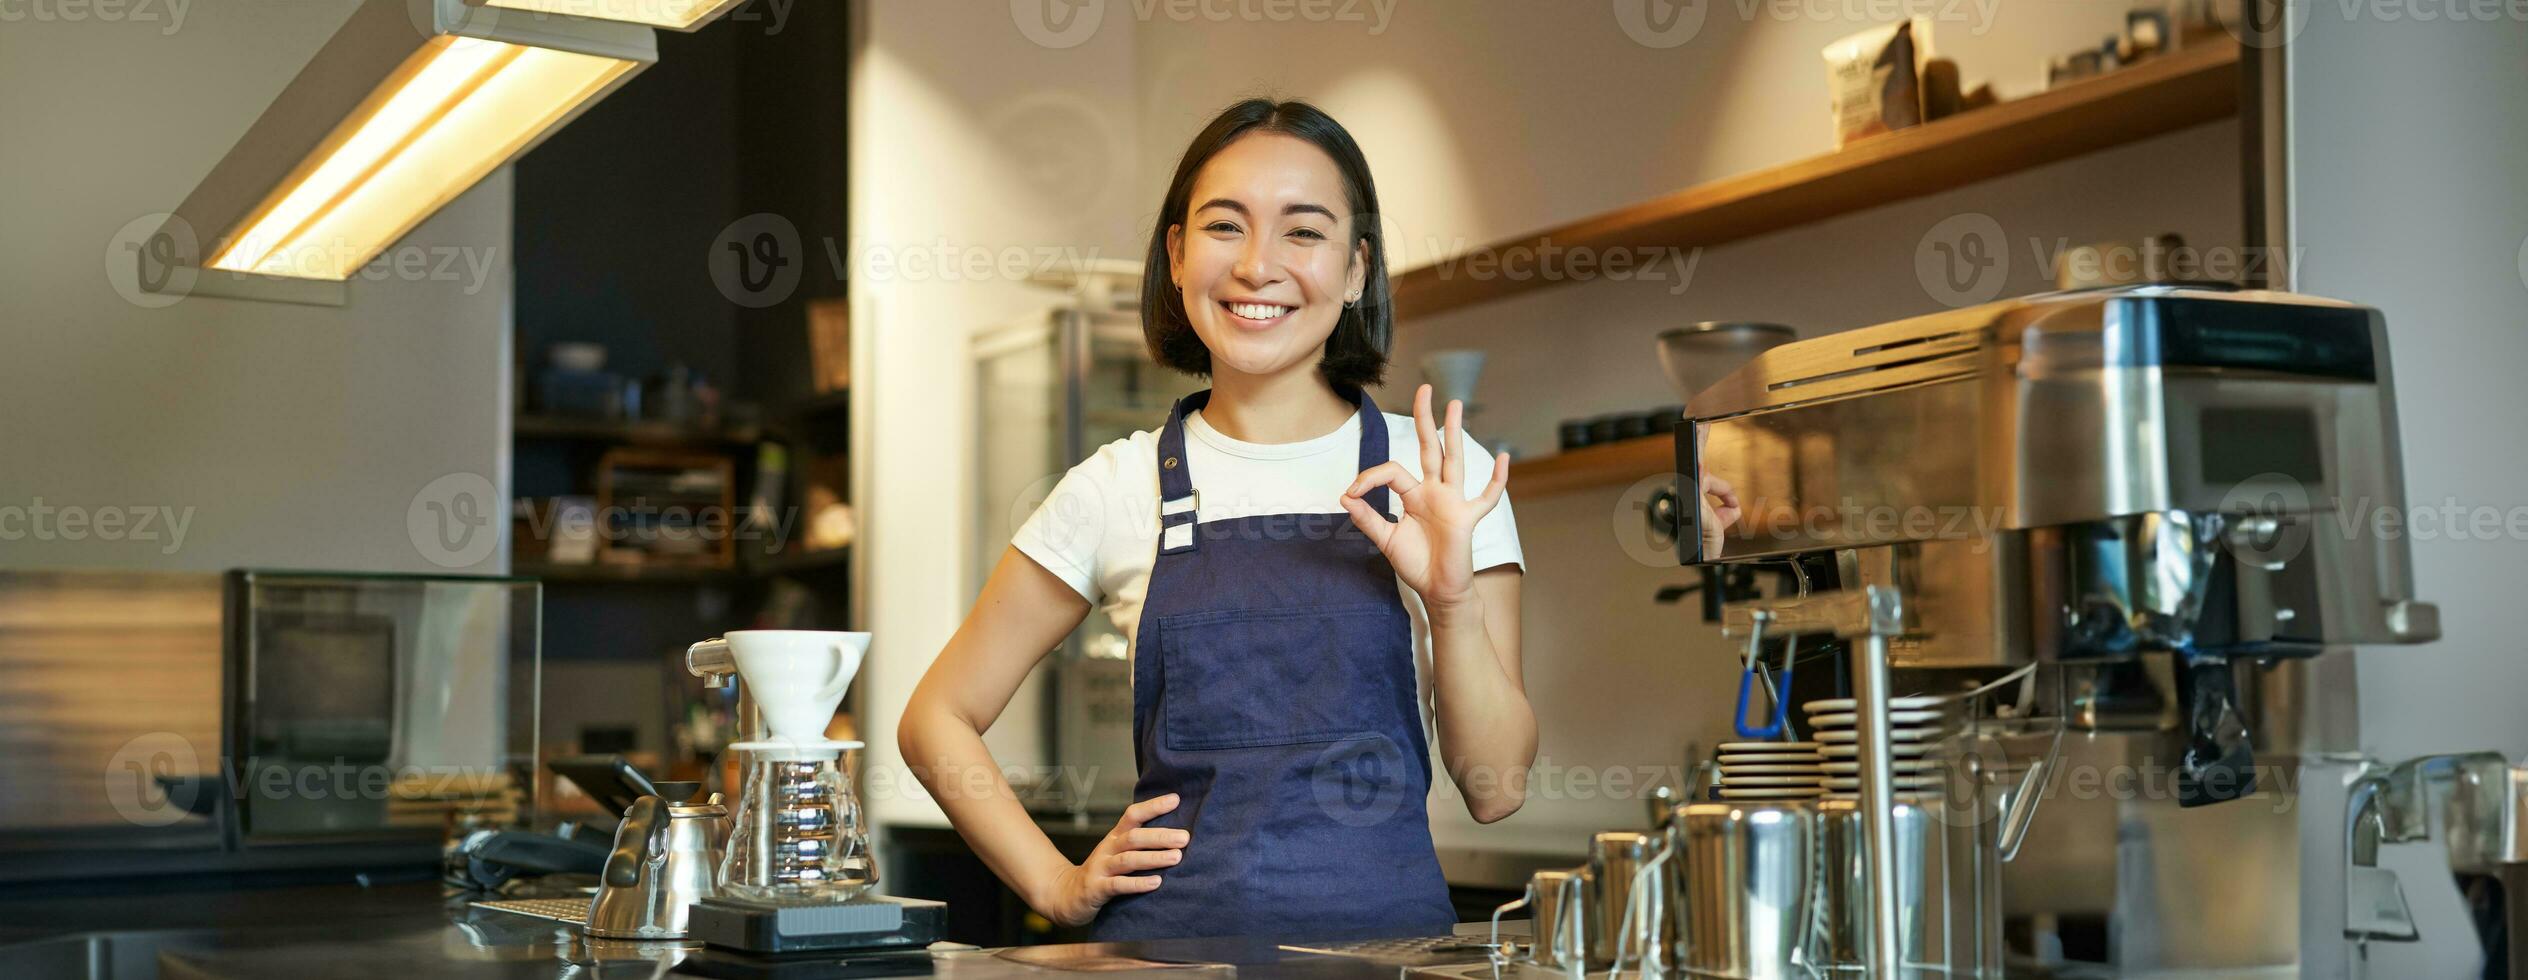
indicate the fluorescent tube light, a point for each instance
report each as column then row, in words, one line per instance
column 675, row 15
column 409, row 105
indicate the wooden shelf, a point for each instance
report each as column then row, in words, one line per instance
column 1590, row 466
column 2187, row 88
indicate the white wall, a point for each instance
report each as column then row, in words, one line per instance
column 293, row 436
column 966, row 140
column 1480, row 120
column 2408, row 142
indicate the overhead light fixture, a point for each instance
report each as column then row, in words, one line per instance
column 409, row 105
column 675, row 15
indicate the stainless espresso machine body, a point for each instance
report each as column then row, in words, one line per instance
column 2167, row 498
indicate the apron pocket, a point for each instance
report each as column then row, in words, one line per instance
column 1243, row 678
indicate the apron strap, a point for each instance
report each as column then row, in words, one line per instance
column 1179, row 502
column 1374, row 451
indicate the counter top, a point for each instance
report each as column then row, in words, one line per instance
column 1468, row 867
column 416, row 932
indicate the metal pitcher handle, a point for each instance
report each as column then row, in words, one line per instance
column 2015, row 823
column 1644, row 893
column 1494, row 951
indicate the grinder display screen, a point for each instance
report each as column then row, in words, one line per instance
column 2242, row 443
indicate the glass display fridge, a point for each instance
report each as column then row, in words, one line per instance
column 1052, row 389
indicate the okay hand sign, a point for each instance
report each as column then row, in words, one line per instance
column 1431, row 544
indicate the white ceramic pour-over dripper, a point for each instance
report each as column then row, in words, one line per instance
column 796, row 677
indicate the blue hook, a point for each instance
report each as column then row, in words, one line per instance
column 1781, row 703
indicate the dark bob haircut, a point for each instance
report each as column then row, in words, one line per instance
column 1356, row 353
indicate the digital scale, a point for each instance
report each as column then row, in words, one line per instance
column 865, row 923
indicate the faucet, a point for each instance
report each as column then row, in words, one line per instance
column 2479, row 817
column 712, row 661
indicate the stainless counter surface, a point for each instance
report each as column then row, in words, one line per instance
column 1464, row 867
column 1467, row 867
column 414, row 932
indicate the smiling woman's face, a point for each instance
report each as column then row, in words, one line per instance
column 1265, row 259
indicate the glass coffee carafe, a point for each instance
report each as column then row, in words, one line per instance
column 799, row 835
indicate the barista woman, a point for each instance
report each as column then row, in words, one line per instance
column 1300, row 574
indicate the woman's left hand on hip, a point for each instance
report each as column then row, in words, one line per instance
column 1431, row 544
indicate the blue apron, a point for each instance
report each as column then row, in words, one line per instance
column 1273, row 689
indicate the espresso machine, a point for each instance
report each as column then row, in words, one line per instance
column 2152, row 508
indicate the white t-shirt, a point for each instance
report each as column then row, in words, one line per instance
column 1099, row 530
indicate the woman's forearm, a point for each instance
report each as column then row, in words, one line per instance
column 948, row 755
column 1487, row 730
